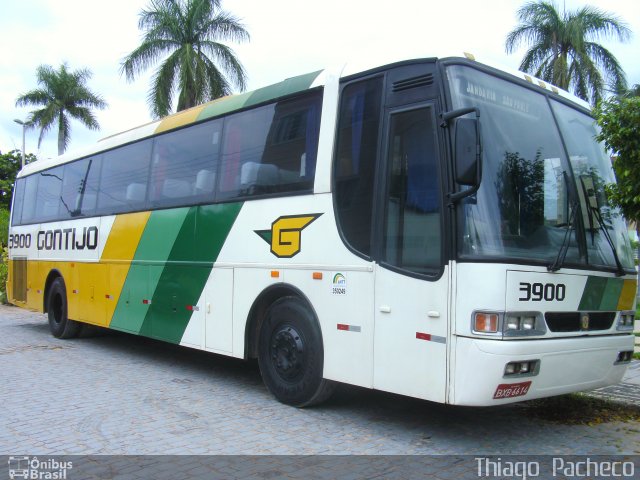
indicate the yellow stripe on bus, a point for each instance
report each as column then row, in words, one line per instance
column 118, row 252
column 628, row 295
column 180, row 119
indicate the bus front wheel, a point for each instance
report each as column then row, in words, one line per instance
column 290, row 354
column 59, row 324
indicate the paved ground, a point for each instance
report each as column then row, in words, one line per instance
column 120, row 394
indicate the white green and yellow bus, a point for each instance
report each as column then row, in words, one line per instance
column 434, row 227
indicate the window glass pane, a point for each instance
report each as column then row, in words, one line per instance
column 30, row 193
column 355, row 161
column 593, row 170
column 78, row 195
column 412, row 227
column 271, row 149
column 184, row 165
column 89, row 197
column 18, row 198
column 521, row 209
column 123, row 180
column 48, row 198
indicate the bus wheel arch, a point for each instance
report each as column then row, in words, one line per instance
column 285, row 336
column 53, row 275
column 258, row 311
column 56, row 307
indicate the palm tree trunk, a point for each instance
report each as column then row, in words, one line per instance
column 61, row 133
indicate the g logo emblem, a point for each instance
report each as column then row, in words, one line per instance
column 285, row 236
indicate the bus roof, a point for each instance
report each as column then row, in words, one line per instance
column 231, row 103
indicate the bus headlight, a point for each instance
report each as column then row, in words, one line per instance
column 626, row 320
column 524, row 324
column 525, row 368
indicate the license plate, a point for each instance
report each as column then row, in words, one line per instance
column 509, row 390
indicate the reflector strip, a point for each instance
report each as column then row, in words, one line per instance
column 430, row 338
column 146, row 302
column 193, row 308
column 348, row 328
column 75, row 291
column 108, row 297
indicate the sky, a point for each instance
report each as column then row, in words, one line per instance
column 288, row 38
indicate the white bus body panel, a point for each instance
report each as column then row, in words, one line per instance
column 569, row 361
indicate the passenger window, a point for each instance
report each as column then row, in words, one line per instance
column 48, row 198
column 18, row 199
column 412, row 232
column 271, row 149
column 123, row 180
column 355, row 161
column 30, row 200
column 184, row 165
column 79, row 187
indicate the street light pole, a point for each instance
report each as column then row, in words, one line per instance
column 25, row 125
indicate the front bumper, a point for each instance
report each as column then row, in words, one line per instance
column 566, row 365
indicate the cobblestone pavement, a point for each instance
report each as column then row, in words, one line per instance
column 120, row 394
column 627, row 391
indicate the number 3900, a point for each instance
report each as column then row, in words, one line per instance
column 536, row 292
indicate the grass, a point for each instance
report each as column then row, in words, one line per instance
column 581, row 409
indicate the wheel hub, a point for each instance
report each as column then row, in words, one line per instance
column 287, row 352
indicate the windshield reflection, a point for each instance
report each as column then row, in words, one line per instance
column 522, row 209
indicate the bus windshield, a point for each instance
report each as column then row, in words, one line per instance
column 534, row 202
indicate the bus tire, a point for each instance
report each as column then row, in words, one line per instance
column 290, row 354
column 59, row 323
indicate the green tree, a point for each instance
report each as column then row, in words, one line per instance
column 63, row 95
column 632, row 92
column 563, row 48
column 10, row 164
column 187, row 33
column 619, row 121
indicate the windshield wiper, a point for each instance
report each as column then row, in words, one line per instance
column 564, row 248
column 596, row 212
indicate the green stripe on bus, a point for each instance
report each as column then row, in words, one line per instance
column 592, row 295
column 282, row 89
column 611, row 294
column 188, row 267
column 224, row 105
column 601, row 293
column 265, row 94
column 155, row 246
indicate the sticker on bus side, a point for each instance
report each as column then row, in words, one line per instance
column 339, row 284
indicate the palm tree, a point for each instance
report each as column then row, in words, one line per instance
column 187, row 33
column 632, row 92
column 63, row 94
column 564, row 50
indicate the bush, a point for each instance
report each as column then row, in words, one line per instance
column 4, row 226
column 4, row 263
column 4, row 268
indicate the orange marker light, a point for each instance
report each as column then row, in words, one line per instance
column 486, row 322
column 317, row 275
column 275, row 274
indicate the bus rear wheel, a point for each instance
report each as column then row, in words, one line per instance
column 290, row 354
column 59, row 323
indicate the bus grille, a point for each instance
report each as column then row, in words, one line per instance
column 573, row 321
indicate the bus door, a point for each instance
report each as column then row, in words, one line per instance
column 411, row 284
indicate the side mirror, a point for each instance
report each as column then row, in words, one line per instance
column 467, row 152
